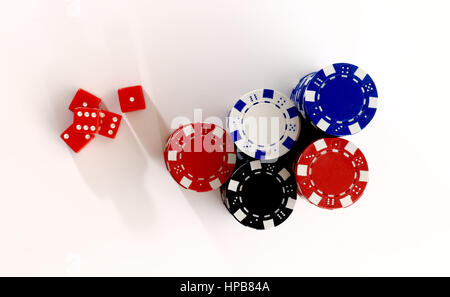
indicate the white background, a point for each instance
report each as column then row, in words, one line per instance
column 113, row 209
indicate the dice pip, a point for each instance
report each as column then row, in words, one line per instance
column 76, row 141
column 84, row 99
column 109, row 123
column 86, row 120
column 131, row 99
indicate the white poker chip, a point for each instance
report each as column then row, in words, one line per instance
column 264, row 124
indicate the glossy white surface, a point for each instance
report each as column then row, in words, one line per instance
column 113, row 209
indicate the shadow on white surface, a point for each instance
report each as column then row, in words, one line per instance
column 213, row 215
column 150, row 129
column 115, row 169
column 60, row 98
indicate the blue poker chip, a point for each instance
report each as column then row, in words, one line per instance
column 264, row 124
column 298, row 92
column 340, row 99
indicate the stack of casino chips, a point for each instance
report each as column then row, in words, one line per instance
column 200, row 156
column 338, row 100
column 264, row 125
column 270, row 154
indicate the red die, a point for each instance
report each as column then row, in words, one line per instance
column 84, row 99
column 85, row 120
column 76, row 141
column 109, row 123
column 131, row 99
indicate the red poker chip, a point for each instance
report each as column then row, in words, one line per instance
column 200, row 156
column 332, row 173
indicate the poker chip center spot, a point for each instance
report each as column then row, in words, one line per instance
column 263, row 194
column 202, row 165
column 351, row 99
column 333, row 173
column 264, row 123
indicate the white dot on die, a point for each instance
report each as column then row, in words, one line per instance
column 102, row 115
column 66, row 136
column 79, row 113
column 87, row 136
column 84, row 104
column 110, row 132
column 92, row 128
column 86, row 127
column 78, row 127
column 131, row 99
column 114, row 119
column 86, row 114
column 113, row 126
column 93, row 114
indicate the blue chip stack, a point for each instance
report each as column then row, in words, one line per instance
column 340, row 99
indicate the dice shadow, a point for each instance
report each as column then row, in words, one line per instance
column 150, row 129
column 60, row 100
column 115, row 169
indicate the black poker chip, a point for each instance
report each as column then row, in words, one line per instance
column 260, row 195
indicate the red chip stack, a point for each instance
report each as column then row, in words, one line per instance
column 332, row 173
column 200, row 156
